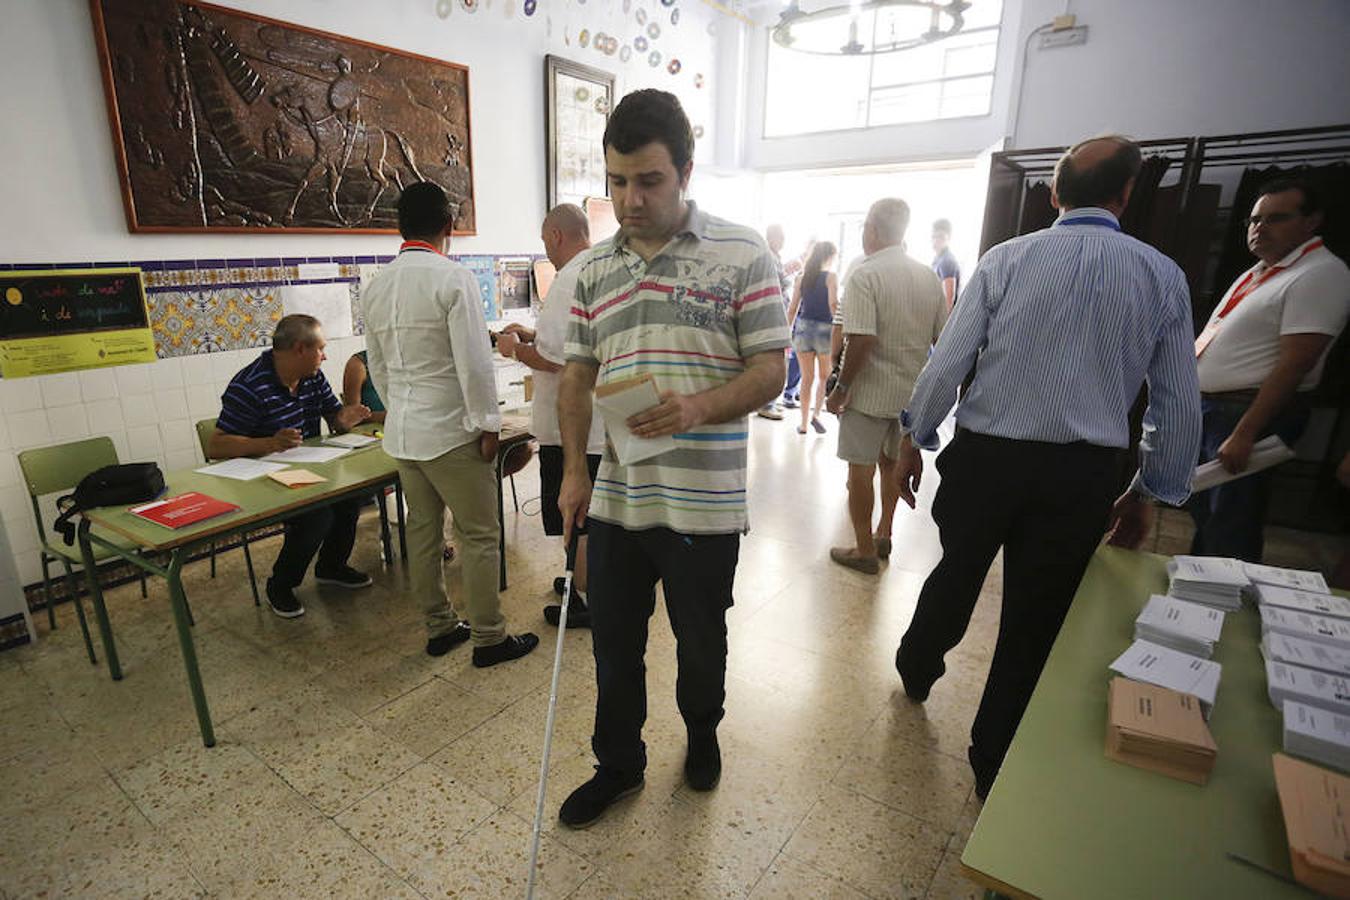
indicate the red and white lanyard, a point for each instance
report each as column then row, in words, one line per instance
column 1240, row 292
column 420, row 246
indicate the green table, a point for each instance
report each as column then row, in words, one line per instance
column 261, row 502
column 1063, row 821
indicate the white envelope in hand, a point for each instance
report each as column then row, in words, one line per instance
column 616, row 402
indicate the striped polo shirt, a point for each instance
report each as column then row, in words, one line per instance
column 689, row 317
column 257, row 404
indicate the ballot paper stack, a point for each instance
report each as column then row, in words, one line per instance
column 1303, row 601
column 1155, row 664
column 1309, row 627
column 1308, row 654
column 1214, row 581
column 1317, row 734
column 1295, row 579
column 1308, row 687
column 1316, row 808
column 1154, row 728
column 1189, row 627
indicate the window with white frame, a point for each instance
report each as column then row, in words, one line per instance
column 951, row 78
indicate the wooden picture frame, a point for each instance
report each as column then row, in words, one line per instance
column 226, row 121
column 577, row 102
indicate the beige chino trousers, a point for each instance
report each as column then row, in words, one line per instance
column 465, row 482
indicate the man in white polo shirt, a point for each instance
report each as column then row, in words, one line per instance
column 693, row 301
column 893, row 312
column 1263, row 348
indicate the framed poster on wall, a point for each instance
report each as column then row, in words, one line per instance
column 224, row 121
column 577, row 101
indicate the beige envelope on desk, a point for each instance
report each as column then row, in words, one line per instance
column 296, row 477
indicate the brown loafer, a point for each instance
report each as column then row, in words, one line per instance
column 883, row 546
column 868, row 565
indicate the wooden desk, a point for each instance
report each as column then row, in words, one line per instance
column 1063, row 821
column 261, row 502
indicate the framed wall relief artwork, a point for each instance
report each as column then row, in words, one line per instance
column 225, row 121
column 577, row 101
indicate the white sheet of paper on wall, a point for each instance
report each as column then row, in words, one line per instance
column 330, row 303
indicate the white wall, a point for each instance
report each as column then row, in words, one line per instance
column 62, row 199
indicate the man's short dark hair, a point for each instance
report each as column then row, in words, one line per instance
column 1311, row 204
column 423, row 210
column 295, row 330
column 944, row 226
column 651, row 115
column 1099, row 184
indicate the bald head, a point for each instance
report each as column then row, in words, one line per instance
column 1097, row 172
column 566, row 232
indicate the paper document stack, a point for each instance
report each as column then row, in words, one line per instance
column 1316, row 808
column 1155, row 664
column 1188, row 627
column 1309, row 654
column 1324, row 629
column 1297, row 579
column 1211, row 580
column 1154, row 728
column 616, row 402
column 1267, row 452
column 1317, row 734
column 1307, row 686
column 1304, row 601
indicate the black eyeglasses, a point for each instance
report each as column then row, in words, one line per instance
column 1272, row 219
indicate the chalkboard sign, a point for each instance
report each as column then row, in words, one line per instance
column 70, row 301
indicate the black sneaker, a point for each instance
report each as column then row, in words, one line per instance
column 442, row 644
column 915, row 689
column 559, row 585
column 578, row 615
column 984, row 778
column 283, row 601
column 344, row 577
column 703, row 765
column 514, row 647
column 588, row 803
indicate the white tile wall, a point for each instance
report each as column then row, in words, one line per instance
column 20, row 395
column 133, row 380
column 171, row 404
column 98, row 384
column 59, row 390
column 29, row 428
column 203, row 401
column 178, row 434
column 9, row 469
column 5, row 440
column 166, row 374
column 67, row 423
column 197, row 369
column 144, row 445
column 105, row 416
column 139, row 409
column 182, row 459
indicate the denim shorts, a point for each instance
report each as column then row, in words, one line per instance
column 810, row 336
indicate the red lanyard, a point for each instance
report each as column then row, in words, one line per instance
column 419, row 245
column 1243, row 289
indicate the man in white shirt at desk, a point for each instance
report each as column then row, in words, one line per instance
column 427, row 346
column 566, row 234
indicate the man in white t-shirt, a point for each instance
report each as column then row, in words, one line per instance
column 566, row 234
column 1263, row 348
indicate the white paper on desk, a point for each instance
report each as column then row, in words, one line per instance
column 241, row 468
column 1295, row 579
column 1317, row 723
column 330, row 303
column 1304, row 601
column 1310, row 654
column 1190, row 619
column 307, row 455
column 1156, row 664
column 351, row 441
column 1309, row 627
column 1267, row 452
column 617, row 405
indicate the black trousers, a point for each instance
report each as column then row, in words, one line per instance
column 696, row 573
column 1047, row 506
column 329, row 531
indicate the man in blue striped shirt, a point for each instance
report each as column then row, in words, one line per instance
column 273, row 404
column 1062, row 327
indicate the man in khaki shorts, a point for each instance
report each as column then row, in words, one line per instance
column 894, row 310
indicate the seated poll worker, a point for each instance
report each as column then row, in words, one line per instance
column 273, row 404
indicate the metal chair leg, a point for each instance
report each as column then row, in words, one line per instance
column 47, row 590
column 74, row 588
column 515, row 501
column 145, row 594
column 252, row 579
column 213, row 559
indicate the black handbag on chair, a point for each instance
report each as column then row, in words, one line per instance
column 109, row 486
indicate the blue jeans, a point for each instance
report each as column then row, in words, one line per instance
column 793, row 387
column 1230, row 519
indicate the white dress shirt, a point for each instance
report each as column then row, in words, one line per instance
column 550, row 335
column 429, row 357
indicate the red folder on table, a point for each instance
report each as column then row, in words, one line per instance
column 185, row 509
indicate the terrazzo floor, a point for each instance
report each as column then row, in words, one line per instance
column 350, row 764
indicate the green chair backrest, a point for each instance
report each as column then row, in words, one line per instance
column 205, row 428
column 47, row 470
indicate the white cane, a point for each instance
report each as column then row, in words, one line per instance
column 552, row 710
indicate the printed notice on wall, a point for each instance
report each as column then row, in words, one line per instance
column 62, row 320
column 331, row 304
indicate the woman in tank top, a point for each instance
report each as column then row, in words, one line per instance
column 811, row 315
